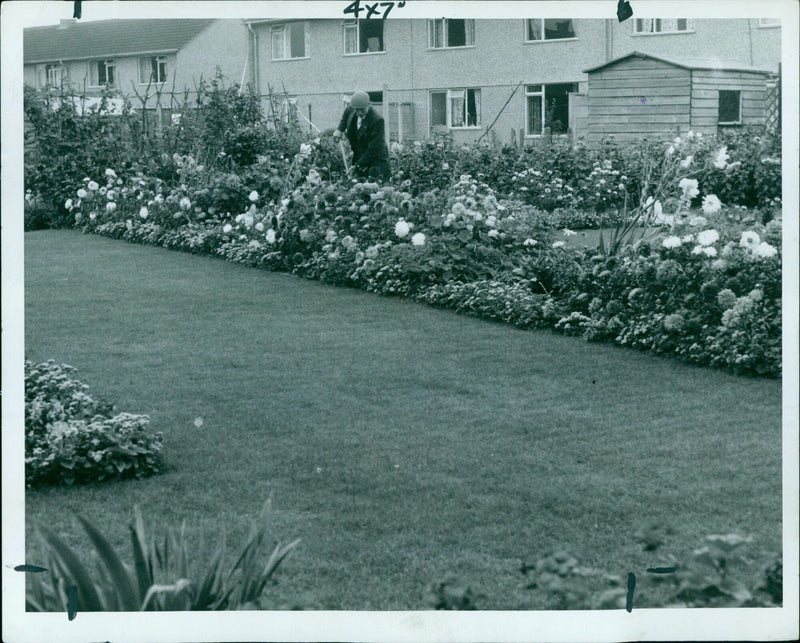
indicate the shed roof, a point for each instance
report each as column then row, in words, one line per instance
column 686, row 63
column 99, row 38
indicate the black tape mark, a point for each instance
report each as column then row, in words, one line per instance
column 76, row 12
column 631, row 587
column 72, row 602
column 624, row 10
column 30, row 569
column 661, row 570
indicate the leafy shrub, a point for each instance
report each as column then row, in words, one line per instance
column 163, row 576
column 70, row 437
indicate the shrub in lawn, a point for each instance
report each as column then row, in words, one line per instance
column 70, row 437
column 451, row 594
column 162, row 575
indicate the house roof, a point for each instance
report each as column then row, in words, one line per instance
column 686, row 63
column 101, row 38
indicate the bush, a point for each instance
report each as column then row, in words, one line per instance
column 70, row 437
column 161, row 577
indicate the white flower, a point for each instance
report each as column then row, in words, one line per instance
column 658, row 211
column 92, row 216
column 721, row 158
column 401, row 228
column 270, row 236
column 710, row 251
column 689, row 188
column 697, row 221
column 559, row 244
column 671, row 242
column 93, row 186
column 260, row 226
column 111, row 206
column 530, row 242
column 749, row 240
column 677, row 140
column 253, row 196
column 418, row 239
column 227, row 228
column 103, row 190
column 698, row 250
column 711, row 204
column 82, row 194
column 494, row 233
column 143, row 212
column 313, row 177
column 185, row 203
column 687, row 238
column 568, row 232
column 648, row 203
column 670, row 151
column 305, row 149
column 159, row 198
column 491, row 221
column 687, row 161
column 764, row 249
column 111, row 195
column 129, row 224
column 690, row 135
column 111, row 173
column 68, row 204
column 708, row 237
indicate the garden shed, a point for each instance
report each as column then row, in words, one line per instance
column 640, row 95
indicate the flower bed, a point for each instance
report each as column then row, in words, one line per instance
column 705, row 287
column 70, row 437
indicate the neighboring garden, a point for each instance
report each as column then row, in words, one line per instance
column 688, row 266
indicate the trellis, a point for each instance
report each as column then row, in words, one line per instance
column 772, row 110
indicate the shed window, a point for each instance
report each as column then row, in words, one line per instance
column 547, row 106
column 152, row 69
column 661, row 25
column 456, row 108
column 730, row 106
column 443, row 33
column 537, row 29
column 363, row 36
column 102, row 72
column 769, row 22
column 288, row 41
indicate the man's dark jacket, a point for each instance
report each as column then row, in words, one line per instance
column 368, row 142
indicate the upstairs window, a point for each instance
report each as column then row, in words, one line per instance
column 288, row 41
column 152, row 69
column 363, row 37
column 661, row 25
column 538, row 29
column 102, row 72
column 456, row 108
column 730, row 107
column 444, row 33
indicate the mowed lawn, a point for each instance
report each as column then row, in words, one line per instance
column 402, row 443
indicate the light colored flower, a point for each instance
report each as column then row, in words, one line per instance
column 111, row 173
column 721, row 158
column 491, row 221
column 92, row 216
column 129, row 224
column 711, row 204
column 749, row 240
column 658, row 210
column 530, row 242
column 697, row 221
column 111, row 206
column 764, row 249
column 708, row 237
column 493, row 233
column 558, row 244
column 687, row 161
column 270, row 236
column 185, row 203
column 673, row 322
column 159, row 198
column 93, row 186
column 568, row 233
column 401, row 229
column 260, row 226
column 305, row 149
column 710, row 251
column 418, row 239
column 111, row 195
column 670, row 150
column 726, row 298
column 143, row 212
column 82, row 194
column 253, row 196
column 689, row 188
column 68, row 204
column 227, row 228
column 313, row 177
column 671, row 242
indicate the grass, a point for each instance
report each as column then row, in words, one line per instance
column 402, row 443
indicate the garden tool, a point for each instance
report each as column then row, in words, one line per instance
column 347, row 167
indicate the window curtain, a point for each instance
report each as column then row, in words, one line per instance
column 458, row 101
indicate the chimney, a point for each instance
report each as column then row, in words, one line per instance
column 66, row 22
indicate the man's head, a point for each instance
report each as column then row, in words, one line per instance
column 360, row 103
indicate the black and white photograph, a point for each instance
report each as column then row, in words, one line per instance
column 400, row 321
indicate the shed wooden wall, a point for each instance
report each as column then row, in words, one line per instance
column 706, row 84
column 638, row 97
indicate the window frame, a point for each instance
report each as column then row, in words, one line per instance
column 449, row 95
column 287, row 41
column 542, row 40
column 159, row 58
column 54, row 67
column 638, row 21
column 769, row 23
column 95, row 76
column 543, row 93
column 468, row 30
column 719, row 103
column 356, row 22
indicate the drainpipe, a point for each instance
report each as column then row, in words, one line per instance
column 609, row 39
column 255, row 57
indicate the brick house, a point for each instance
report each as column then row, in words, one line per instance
column 460, row 75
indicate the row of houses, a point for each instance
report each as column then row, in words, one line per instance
column 527, row 78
